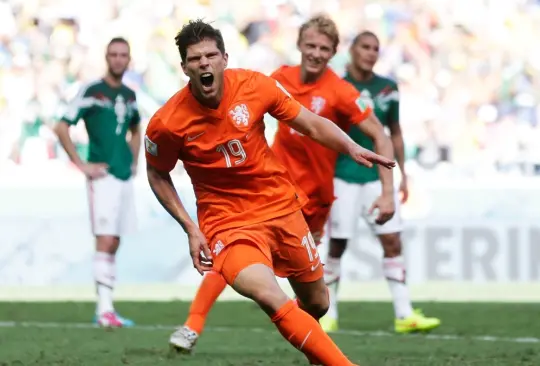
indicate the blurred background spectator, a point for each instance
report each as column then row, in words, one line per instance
column 470, row 85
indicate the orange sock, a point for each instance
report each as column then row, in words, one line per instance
column 303, row 332
column 211, row 287
column 312, row 360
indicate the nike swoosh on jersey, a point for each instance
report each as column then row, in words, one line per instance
column 313, row 268
column 191, row 138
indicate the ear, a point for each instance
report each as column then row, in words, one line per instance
column 226, row 59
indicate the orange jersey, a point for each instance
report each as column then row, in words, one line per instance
column 310, row 164
column 237, row 179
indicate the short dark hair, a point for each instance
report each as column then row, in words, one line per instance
column 194, row 32
column 364, row 34
column 118, row 40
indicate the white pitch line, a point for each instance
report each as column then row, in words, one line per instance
column 349, row 332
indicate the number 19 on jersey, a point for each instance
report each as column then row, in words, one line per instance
column 234, row 152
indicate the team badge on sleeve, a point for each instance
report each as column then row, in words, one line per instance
column 362, row 104
column 150, row 146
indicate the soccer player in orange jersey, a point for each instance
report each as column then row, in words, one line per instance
column 318, row 88
column 250, row 223
column 310, row 164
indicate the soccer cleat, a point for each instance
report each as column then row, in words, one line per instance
column 113, row 320
column 183, row 340
column 329, row 324
column 416, row 322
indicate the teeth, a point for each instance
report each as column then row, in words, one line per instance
column 206, row 74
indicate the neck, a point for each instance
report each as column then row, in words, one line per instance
column 360, row 75
column 113, row 81
column 308, row 78
column 212, row 102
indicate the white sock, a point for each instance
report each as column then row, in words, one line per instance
column 332, row 274
column 394, row 271
column 104, row 274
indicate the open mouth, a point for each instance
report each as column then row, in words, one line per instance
column 207, row 79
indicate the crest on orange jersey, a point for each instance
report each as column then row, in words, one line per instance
column 240, row 115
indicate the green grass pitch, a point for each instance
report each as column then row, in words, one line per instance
column 239, row 334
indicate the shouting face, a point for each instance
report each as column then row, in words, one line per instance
column 205, row 65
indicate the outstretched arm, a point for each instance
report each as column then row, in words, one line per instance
column 331, row 136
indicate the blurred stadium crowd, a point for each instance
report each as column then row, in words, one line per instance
column 468, row 70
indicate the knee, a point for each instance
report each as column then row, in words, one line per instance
column 391, row 245
column 337, row 247
column 318, row 304
column 319, row 309
column 107, row 244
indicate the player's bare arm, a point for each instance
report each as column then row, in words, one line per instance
column 331, row 136
column 163, row 188
column 92, row 171
column 135, row 146
column 399, row 151
column 385, row 204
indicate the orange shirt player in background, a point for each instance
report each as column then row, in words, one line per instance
column 248, row 209
column 318, row 88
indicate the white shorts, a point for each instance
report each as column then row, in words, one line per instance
column 354, row 201
column 112, row 206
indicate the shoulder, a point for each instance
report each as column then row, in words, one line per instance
column 337, row 85
column 243, row 76
column 283, row 71
column 174, row 114
column 279, row 72
column 91, row 87
column 239, row 75
column 386, row 80
column 247, row 81
column 345, row 89
column 128, row 91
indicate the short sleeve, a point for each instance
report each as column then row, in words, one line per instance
column 136, row 116
column 78, row 107
column 351, row 105
column 393, row 108
column 281, row 105
column 161, row 149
